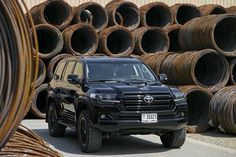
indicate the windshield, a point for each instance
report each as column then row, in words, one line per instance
column 118, row 71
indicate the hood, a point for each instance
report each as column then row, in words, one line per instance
column 123, row 87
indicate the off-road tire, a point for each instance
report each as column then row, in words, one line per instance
column 91, row 141
column 55, row 129
column 174, row 139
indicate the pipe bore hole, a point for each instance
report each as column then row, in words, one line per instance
column 225, row 34
column 153, row 41
column 119, row 41
column 210, row 69
column 158, row 16
column 56, row 13
column 198, row 105
column 47, row 40
column 83, row 40
column 41, row 101
column 96, row 15
column 174, row 43
column 129, row 15
column 218, row 10
column 234, row 73
column 186, row 13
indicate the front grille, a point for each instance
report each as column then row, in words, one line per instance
column 135, row 102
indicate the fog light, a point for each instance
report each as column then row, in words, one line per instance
column 103, row 116
column 181, row 114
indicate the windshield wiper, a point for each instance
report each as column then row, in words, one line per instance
column 105, row 80
column 141, row 80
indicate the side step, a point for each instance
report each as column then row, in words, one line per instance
column 72, row 126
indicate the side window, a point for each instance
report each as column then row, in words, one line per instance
column 69, row 70
column 79, row 69
column 60, row 68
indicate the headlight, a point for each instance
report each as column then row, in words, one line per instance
column 178, row 95
column 104, row 97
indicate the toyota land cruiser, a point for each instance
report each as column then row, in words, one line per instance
column 100, row 97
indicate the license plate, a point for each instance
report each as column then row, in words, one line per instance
column 149, row 118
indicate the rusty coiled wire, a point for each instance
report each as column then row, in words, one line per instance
column 150, row 40
column 223, row 109
column 214, row 31
column 92, row 13
column 19, row 67
column 116, row 41
column 41, row 73
column 173, row 33
column 123, row 13
column 50, row 41
column 205, row 68
column 25, row 142
column 155, row 60
column 231, row 10
column 156, row 14
column 232, row 69
column 198, row 100
column 80, row 39
column 38, row 106
column 183, row 13
column 211, row 9
column 54, row 12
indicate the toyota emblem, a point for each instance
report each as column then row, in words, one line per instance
column 148, row 99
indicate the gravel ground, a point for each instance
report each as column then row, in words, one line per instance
column 217, row 138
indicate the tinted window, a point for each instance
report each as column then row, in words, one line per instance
column 118, row 71
column 60, row 68
column 78, row 70
column 69, row 69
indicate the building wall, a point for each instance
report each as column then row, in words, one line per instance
column 225, row 3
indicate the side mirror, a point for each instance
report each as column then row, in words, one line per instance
column 73, row 79
column 162, row 77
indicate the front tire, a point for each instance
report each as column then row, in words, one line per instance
column 55, row 129
column 90, row 138
column 174, row 139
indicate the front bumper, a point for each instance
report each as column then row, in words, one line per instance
column 118, row 120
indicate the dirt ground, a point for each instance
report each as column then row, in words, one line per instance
column 216, row 138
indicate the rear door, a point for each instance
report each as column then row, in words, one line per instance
column 66, row 94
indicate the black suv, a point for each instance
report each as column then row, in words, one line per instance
column 101, row 96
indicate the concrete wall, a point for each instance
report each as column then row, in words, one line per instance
column 225, row 3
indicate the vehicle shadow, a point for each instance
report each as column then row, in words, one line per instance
column 119, row 145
